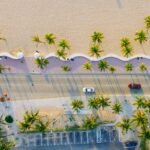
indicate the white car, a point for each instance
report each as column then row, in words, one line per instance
column 88, row 90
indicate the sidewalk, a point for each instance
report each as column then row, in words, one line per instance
column 28, row 65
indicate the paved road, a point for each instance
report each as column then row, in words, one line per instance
column 36, row 86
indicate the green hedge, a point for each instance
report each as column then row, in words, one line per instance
column 9, row 119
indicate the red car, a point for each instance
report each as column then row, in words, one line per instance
column 135, row 86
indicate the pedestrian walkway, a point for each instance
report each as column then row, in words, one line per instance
column 27, row 65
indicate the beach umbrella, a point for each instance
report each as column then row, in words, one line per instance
column 20, row 55
column 36, row 55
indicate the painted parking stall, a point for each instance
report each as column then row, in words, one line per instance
column 102, row 134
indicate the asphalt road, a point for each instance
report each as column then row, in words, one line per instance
column 38, row 86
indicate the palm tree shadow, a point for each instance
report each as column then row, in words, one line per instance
column 97, row 81
column 119, row 3
column 118, row 85
column 29, row 78
column 77, row 93
column 136, row 92
column 73, row 89
column 148, row 76
column 47, row 78
column 147, row 79
column 89, row 95
column 110, row 83
column 127, row 108
column 52, row 82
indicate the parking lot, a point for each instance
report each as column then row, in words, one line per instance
column 100, row 135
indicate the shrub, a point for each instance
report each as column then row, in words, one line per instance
column 9, row 119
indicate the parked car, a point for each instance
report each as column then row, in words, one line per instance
column 88, row 90
column 135, row 86
column 130, row 145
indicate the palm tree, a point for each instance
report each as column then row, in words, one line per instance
column 140, row 119
column 65, row 68
column 125, row 42
column 127, row 51
column 63, row 44
column 41, row 126
column 50, row 38
column 112, row 69
column 2, row 68
column 140, row 102
column 36, row 39
column 25, row 126
column 95, row 51
column 90, row 122
column 141, row 36
column 93, row 103
column 6, row 144
column 41, row 62
column 87, row 66
column 103, row 65
column 61, row 54
column 77, row 105
column 147, row 105
column 28, row 120
column 144, row 136
column 2, row 39
column 147, row 22
column 128, row 67
column 143, row 67
column 103, row 102
column 31, row 116
column 117, row 108
column 125, row 124
column 97, row 37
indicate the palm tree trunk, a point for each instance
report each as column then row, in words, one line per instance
column 95, row 112
column 143, row 49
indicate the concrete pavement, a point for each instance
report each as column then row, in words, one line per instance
column 27, row 65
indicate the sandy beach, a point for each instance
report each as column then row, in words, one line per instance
column 72, row 20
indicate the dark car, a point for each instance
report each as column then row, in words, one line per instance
column 130, row 145
column 134, row 86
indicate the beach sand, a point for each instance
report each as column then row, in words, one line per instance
column 72, row 20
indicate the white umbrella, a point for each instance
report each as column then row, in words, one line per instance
column 36, row 55
column 20, row 55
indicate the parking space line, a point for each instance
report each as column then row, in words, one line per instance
column 74, row 137
column 87, row 137
column 102, row 134
column 80, row 135
column 67, row 138
column 54, row 138
column 61, row 136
